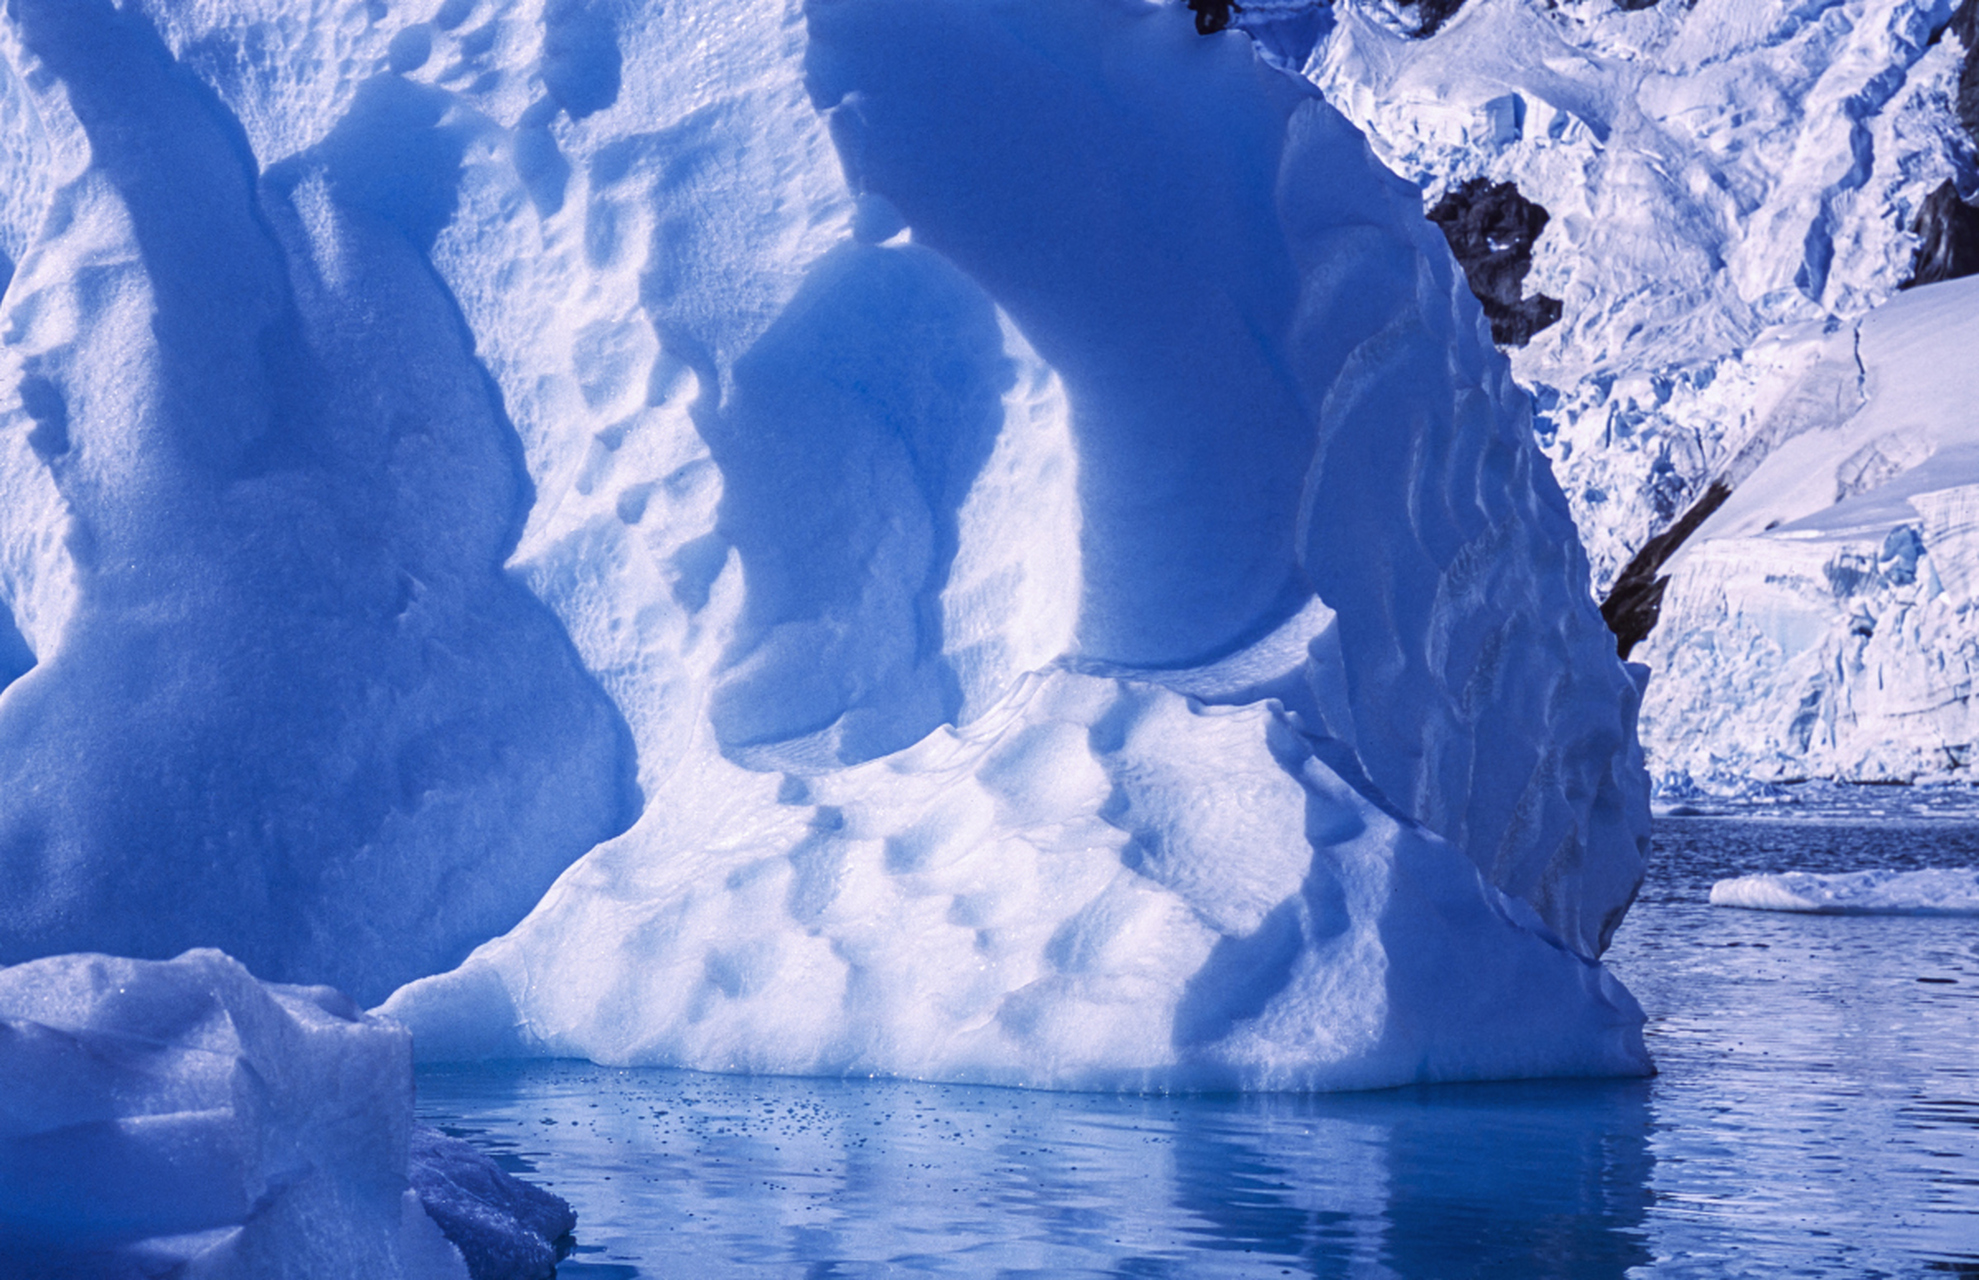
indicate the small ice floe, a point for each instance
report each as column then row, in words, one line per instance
column 1940, row 892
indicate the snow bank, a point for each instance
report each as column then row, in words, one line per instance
column 178, row 1117
column 1855, row 893
column 1047, row 602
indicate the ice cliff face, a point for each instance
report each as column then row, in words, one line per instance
column 1821, row 623
column 1735, row 189
column 285, row 698
column 1003, row 519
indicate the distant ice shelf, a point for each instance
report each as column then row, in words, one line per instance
column 1952, row 892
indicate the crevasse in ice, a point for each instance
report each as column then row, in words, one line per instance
column 1000, row 516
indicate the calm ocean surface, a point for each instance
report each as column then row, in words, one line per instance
column 1817, row 1115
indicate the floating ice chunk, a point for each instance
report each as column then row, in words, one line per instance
column 178, row 1114
column 1940, row 892
column 178, row 1117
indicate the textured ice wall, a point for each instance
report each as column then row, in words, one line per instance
column 1216, row 422
column 1084, row 602
column 180, row 1118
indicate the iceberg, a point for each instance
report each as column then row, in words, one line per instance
column 742, row 537
column 1251, row 569
column 1944, row 892
column 179, row 1114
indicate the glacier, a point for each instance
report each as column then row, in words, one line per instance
column 732, row 537
column 1819, row 623
column 1726, row 179
column 179, row 1118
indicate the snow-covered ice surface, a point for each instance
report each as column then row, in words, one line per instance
column 1205, row 342
column 1935, row 892
column 258, row 494
column 179, row 1118
column 1018, row 600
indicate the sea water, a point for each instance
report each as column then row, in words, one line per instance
column 1817, row 1114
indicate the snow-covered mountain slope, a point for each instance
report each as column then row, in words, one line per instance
column 1083, row 604
column 1821, row 622
column 1726, row 180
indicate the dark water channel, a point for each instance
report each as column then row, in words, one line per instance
column 1817, row 1115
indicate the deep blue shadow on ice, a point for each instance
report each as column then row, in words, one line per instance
column 1149, row 218
column 855, row 428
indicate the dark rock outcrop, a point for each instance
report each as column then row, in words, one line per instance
column 1636, row 599
column 1211, row 15
column 1948, row 228
column 1491, row 229
column 1430, row 15
column 1965, row 25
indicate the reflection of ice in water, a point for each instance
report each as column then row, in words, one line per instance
column 1818, row 1113
column 742, row 1175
